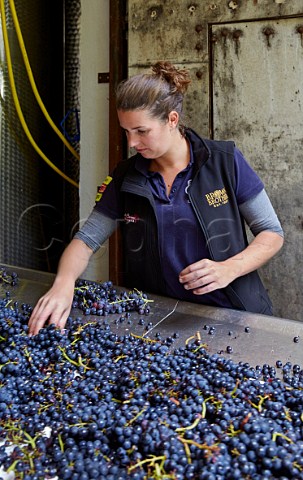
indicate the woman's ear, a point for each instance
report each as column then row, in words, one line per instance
column 173, row 119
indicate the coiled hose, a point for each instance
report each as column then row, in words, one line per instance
column 16, row 99
column 32, row 81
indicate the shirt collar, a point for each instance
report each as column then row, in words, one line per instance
column 142, row 163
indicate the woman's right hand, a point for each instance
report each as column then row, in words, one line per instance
column 55, row 306
column 52, row 308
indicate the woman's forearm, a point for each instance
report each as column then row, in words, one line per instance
column 262, row 248
column 73, row 261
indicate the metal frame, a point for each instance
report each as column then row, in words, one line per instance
column 117, row 142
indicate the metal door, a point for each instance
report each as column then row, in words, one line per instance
column 257, row 96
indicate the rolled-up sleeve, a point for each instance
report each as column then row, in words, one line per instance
column 96, row 230
column 260, row 215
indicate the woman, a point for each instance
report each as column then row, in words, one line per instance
column 181, row 203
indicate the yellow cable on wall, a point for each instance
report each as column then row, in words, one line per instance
column 32, row 81
column 17, row 103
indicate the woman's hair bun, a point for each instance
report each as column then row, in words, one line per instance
column 178, row 78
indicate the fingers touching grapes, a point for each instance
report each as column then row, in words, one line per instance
column 53, row 308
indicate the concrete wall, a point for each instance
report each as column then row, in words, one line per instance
column 94, row 57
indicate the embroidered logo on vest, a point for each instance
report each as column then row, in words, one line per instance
column 217, row 198
column 131, row 218
column 102, row 188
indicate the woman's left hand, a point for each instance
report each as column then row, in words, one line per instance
column 206, row 276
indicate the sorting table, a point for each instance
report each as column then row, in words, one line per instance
column 267, row 340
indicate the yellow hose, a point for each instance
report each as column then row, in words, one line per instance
column 32, row 81
column 17, row 103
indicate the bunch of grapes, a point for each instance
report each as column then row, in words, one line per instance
column 101, row 299
column 8, row 278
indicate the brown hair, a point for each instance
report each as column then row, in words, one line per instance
column 159, row 92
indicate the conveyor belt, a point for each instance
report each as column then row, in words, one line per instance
column 269, row 338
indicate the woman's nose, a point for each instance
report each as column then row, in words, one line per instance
column 132, row 140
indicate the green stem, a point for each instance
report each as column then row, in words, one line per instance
column 190, row 427
column 30, row 440
column 150, row 461
column 144, row 338
column 67, row 357
column 12, row 467
column 61, row 444
column 277, row 434
column 136, row 416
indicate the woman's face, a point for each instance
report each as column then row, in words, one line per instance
column 149, row 136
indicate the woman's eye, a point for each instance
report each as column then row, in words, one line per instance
column 138, row 132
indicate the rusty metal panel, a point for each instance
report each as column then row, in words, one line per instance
column 177, row 29
column 258, row 101
column 173, row 30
